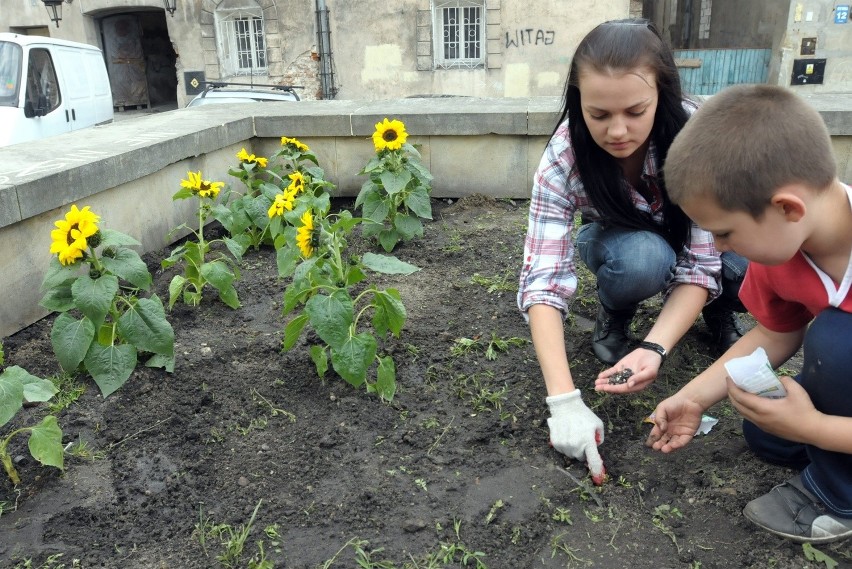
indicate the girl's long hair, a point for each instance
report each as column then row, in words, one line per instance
column 624, row 45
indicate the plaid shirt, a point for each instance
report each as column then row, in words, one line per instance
column 549, row 275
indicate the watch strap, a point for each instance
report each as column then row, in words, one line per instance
column 655, row 348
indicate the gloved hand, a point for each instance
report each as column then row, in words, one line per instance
column 576, row 431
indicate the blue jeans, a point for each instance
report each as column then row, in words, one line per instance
column 827, row 378
column 631, row 266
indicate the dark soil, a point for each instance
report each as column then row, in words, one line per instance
column 453, row 464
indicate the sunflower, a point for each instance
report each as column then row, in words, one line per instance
column 247, row 158
column 390, row 135
column 294, row 144
column 297, row 183
column 282, row 201
column 69, row 239
column 203, row 188
column 305, row 238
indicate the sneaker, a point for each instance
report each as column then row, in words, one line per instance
column 609, row 340
column 791, row 511
column 724, row 325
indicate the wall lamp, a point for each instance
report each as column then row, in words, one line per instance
column 171, row 6
column 54, row 10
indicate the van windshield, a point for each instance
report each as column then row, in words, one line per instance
column 11, row 56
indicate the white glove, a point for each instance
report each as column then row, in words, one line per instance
column 576, row 431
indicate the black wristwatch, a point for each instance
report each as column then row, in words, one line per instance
column 655, row 348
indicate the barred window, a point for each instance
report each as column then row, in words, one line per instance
column 459, row 33
column 241, row 41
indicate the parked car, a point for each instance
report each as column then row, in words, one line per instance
column 50, row 86
column 223, row 92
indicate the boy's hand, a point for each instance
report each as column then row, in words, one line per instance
column 576, row 431
column 793, row 417
column 675, row 422
column 643, row 363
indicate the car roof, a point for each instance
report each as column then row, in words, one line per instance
column 223, row 92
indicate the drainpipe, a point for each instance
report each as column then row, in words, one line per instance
column 326, row 73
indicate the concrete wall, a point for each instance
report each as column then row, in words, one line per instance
column 529, row 48
column 128, row 171
column 809, row 19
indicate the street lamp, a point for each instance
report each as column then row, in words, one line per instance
column 54, row 10
column 170, row 5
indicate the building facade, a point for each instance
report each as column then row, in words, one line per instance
column 343, row 49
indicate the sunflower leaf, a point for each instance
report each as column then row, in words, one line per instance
column 352, row 359
column 94, row 296
column 110, row 366
column 127, row 265
column 71, row 339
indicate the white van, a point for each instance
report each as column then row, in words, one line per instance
column 50, row 86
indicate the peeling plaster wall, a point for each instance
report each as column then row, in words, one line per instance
column 384, row 51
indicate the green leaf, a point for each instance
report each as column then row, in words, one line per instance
column 238, row 245
column 163, row 361
column 112, row 238
column 46, row 443
column 331, row 317
column 367, row 188
column 320, row 358
column 286, row 258
column 375, row 208
column 71, row 339
column 58, row 274
column 175, row 288
column 110, row 366
column 11, row 394
column 408, row 226
column 293, row 330
column 182, row 194
column 395, row 182
column 390, row 313
column 94, row 296
column 257, row 209
column 145, row 326
column 270, row 191
column 386, row 379
column 418, row 201
column 229, row 296
column 374, row 163
column 387, row 264
column 353, row 358
column 388, row 238
column 36, row 389
column 175, row 257
column 128, row 265
column 221, row 278
column 59, row 298
column 814, row 554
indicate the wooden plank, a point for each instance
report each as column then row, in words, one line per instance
column 688, row 63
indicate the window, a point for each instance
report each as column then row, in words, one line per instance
column 42, row 86
column 241, row 41
column 459, row 33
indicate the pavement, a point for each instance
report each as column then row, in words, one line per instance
column 131, row 113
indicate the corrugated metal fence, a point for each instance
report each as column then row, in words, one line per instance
column 707, row 71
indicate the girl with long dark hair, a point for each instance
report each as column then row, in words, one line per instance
column 622, row 108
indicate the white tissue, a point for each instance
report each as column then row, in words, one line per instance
column 754, row 374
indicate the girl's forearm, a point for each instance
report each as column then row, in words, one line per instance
column 548, row 335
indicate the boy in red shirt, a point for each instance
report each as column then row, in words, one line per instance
column 755, row 167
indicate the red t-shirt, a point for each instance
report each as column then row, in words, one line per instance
column 786, row 297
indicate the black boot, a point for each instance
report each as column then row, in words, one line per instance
column 609, row 340
column 724, row 326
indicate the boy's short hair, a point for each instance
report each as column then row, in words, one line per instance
column 746, row 142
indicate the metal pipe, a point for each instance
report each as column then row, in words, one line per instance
column 326, row 73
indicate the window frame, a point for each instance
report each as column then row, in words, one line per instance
column 442, row 29
column 242, row 52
